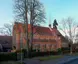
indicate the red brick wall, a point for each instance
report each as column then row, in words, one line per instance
column 49, row 45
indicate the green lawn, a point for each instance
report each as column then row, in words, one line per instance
column 50, row 57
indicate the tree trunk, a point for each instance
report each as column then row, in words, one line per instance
column 26, row 22
column 31, row 37
column 71, row 49
column 31, row 23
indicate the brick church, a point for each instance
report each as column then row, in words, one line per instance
column 44, row 38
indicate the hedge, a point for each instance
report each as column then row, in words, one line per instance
column 13, row 56
column 6, row 56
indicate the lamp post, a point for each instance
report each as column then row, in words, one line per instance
column 21, row 46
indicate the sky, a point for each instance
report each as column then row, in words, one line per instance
column 54, row 9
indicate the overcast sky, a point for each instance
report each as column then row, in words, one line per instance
column 58, row 9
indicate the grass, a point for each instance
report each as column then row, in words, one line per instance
column 74, row 54
column 50, row 57
column 9, row 62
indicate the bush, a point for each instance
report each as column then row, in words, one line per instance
column 59, row 51
column 36, row 54
column 5, row 56
column 54, row 53
column 65, row 50
column 24, row 51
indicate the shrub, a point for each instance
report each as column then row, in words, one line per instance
column 24, row 51
column 65, row 50
column 5, row 56
column 36, row 54
column 59, row 50
column 54, row 53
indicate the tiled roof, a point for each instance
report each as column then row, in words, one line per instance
column 42, row 30
column 39, row 29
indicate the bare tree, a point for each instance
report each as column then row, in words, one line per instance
column 6, row 29
column 21, row 10
column 35, row 11
column 68, row 27
column 37, row 15
column 29, row 11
